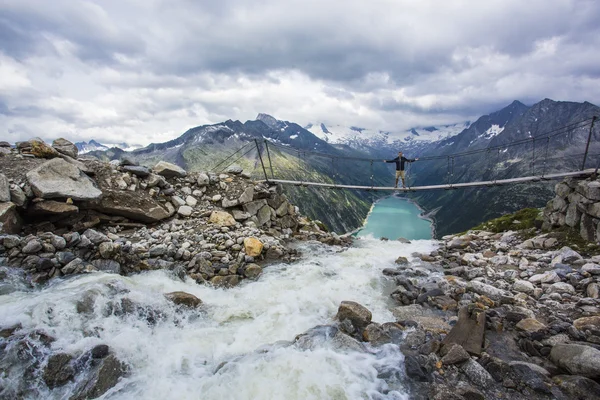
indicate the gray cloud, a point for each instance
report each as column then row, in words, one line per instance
column 149, row 70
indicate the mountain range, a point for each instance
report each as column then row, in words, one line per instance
column 322, row 153
column 93, row 145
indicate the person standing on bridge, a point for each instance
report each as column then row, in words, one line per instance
column 400, row 160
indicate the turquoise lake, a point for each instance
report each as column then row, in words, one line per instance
column 394, row 217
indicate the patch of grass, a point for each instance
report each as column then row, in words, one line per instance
column 526, row 218
column 568, row 236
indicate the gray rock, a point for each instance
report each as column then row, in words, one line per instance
column 264, row 215
column 573, row 215
column 185, row 211
column 477, row 374
column 142, row 172
column 169, row 170
column 227, row 203
column 191, row 201
column 59, row 179
column 253, row 207
column 33, row 246
column 240, row 215
column 590, row 268
column 234, row 169
column 523, row 286
column 577, row 359
column 177, row 201
column 4, row 189
column 95, row 236
column 63, row 146
column 578, row 387
column 247, row 196
column 456, row 355
column 569, row 255
column 10, row 220
column 486, row 290
column 158, row 250
column 18, row 196
column 561, row 287
column 203, row 179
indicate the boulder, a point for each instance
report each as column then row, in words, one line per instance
column 37, row 148
column 225, row 281
column 59, row 179
column 477, row 374
column 561, row 287
column 247, row 196
column 63, row 146
column 358, row 314
column 577, row 387
column 264, row 215
column 142, row 172
column 252, row 271
column 58, row 370
column 101, row 377
column 10, row 221
column 577, row 359
column 169, row 170
column 253, row 206
column 590, row 268
column 253, row 246
column 234, row 169
column 133, row 205
column 184, row 299
column 221, row 218
column 4, row 189
column 523, row 286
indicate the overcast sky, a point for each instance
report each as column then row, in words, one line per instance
column 144, row 71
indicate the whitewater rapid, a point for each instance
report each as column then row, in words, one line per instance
column 211, row 353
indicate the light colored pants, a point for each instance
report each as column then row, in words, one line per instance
column 400, row 174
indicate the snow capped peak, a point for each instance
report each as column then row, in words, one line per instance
column 493, row 130
column 93, row 145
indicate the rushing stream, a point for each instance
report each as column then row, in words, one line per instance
column 181, row 355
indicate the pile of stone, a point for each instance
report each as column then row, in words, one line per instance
column 576, row 205
column 66, row 216
column 491, row 315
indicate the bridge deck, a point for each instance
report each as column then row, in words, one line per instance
column 445, row 186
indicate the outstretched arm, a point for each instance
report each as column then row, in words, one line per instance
column 391, row 161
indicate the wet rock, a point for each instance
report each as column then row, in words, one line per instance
column 169, row 170
column 184, row 299
column 358, row 314
column 58, row 370
column 252, row 271
column 577, row 359
column 100, row 351
column 59, row 179
column 376, row 335
column 414, row 370
column 225, row 281
column 401, row 260
column 253, row 246
column 100, row 378
column 109, row 266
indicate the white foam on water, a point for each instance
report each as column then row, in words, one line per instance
column 177, row 356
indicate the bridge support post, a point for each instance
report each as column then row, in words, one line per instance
column 261, row 160
column 269, row 156
column 587, row 146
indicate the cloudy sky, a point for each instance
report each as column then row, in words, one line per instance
column 144, row 71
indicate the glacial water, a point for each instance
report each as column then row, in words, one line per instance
column 231, row 348
column 394, row 217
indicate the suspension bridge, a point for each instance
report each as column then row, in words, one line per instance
column 574, row 149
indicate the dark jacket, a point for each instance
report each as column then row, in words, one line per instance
column 400, row 162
